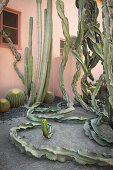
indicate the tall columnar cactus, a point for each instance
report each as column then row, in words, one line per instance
column 108, row 52
column 46, row 51
column 39, row 41
column 33, row 91
column 30, row 57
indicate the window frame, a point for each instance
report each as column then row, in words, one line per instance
column 62, row 39
column 2, row 44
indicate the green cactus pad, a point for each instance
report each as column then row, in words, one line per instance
column 4, row 105
column 16, row 97
column 49, row 97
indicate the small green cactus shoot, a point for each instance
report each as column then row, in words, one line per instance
column 44, row 127
column 47, row 131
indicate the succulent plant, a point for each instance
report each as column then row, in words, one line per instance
column 4, row 105
column 44, row 127
column 49, row 97
column 89, row 38
column 16, row 97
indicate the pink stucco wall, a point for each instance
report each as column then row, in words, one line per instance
column 8, row 77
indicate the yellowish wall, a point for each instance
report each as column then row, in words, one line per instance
column 8, row 77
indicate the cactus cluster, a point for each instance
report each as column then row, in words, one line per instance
column 16, row 97
column 36, row 92
column 4, row 105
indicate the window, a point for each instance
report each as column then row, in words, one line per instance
column 62, row 47
column 10, row 23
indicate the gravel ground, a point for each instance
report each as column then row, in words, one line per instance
column 67, row 135
column 21, row 111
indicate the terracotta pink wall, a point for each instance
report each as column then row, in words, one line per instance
column 8, row 77
column 69, row 71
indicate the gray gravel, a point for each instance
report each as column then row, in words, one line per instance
column 67, row 135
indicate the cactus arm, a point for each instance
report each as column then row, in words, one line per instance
column 77, row 47
column 74, row 84
column 95, row 92
column 11, row 45
column 15, row 53
column 39, row 41
column 30, row 71
column 26, row 72
column 47, row 76
column 65, row 27
column 48, row 73
column 32, row 94
column 76, row 55
column 49, row 61
column 30, row 58
column 30, row 35
column 46, row 51
column 95, row 47
column 18, row 71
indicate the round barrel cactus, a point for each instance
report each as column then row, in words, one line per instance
column 49, row 97
column 4, row 105
column 16, row 97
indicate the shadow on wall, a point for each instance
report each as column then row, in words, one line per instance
column 69, row 71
